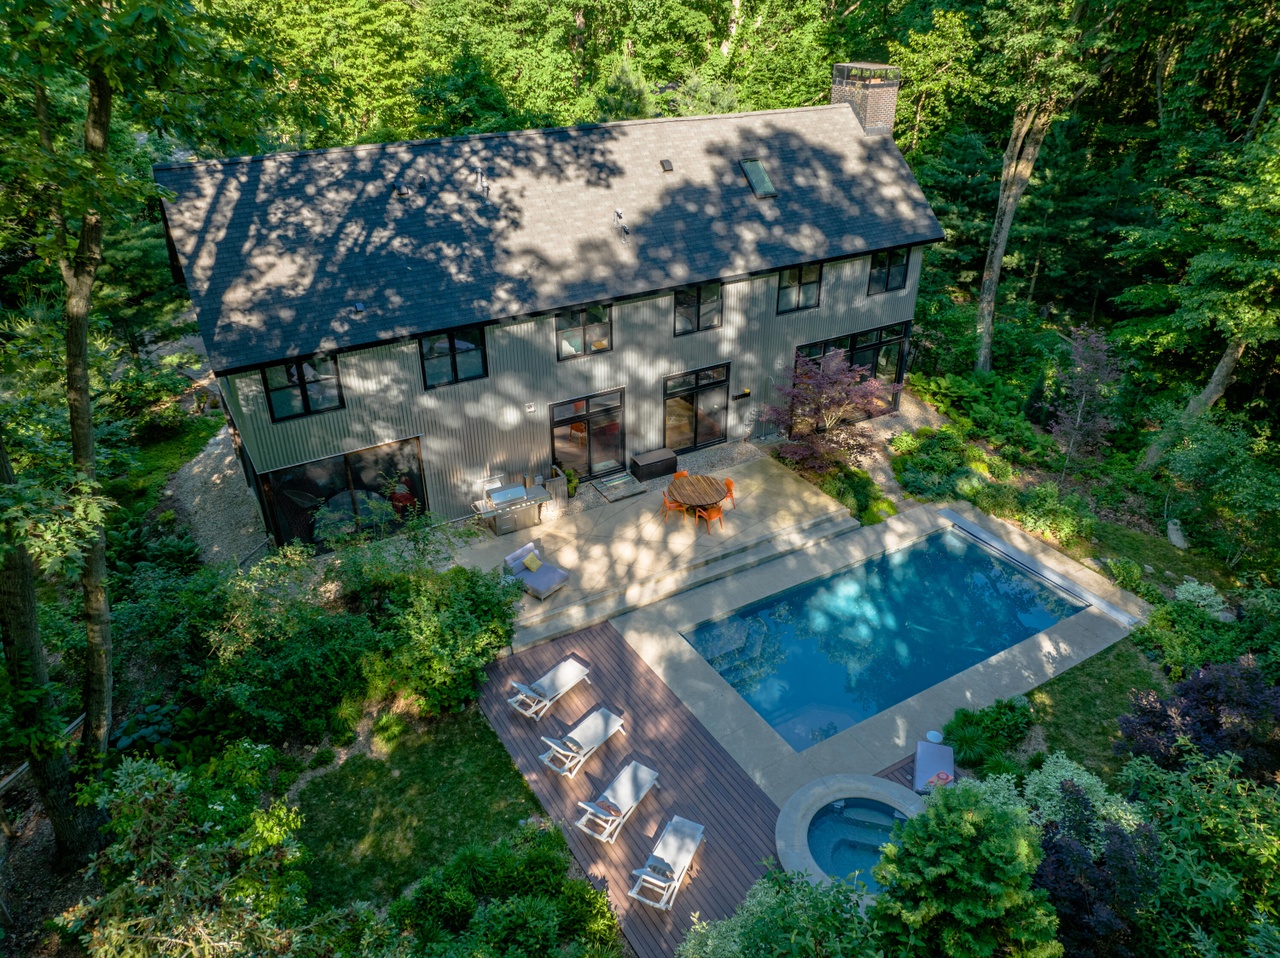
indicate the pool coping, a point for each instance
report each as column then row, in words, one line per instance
column 882, row 739
column 791, row 835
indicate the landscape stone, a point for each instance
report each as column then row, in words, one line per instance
column 1148, row 570
column 1176, row 536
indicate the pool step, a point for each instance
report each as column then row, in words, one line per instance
column 540, row 627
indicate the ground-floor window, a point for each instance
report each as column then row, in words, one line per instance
column 883, row 351
column 588, row 435
column 695, row 408
column 322, row 499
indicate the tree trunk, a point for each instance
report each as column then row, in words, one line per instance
column 735, row 19
column 78, row 274
column 1200, row 404
column 1030, row 124
column 1262, row 103
column 74, row 828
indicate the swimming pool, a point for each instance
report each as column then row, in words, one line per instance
column 821, row 657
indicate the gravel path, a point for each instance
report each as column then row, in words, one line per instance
column 209, row 493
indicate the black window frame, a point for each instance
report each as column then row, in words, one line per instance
column 852, row 348
column 694, row 390
column 698, row 326
column 585, row 418
column 582, row 325
column 881, row 283
column 297, row 363
column 453, row 356
column 800, row 284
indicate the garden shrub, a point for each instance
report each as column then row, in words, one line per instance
column 982, row 738
column 958, row 882
column 783, row 914
column 1231, row 707
column 906, row 443
column 524, row 924
column 856, row 491
column 1045, row 512
column 1202, row 595
column 1125, row 573
column 1220, row 854
column 322, row 758
column 1042, row 791
column 1186, row 638
column 1099, row 877
column 456, row 622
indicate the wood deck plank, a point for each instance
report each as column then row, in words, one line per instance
column 698, row 780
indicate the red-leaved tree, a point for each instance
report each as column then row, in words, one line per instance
column 823, row 395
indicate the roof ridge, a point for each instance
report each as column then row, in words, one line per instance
column 468, row 137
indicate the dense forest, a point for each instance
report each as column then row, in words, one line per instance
column 1104, row 313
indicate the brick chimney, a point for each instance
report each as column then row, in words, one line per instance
column 871, row 89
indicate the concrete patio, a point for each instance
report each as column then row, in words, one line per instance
column 623, row 556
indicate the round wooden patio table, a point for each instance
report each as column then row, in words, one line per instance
column 697, row 491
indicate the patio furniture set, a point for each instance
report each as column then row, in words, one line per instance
column 702, row 494
column 659, row 879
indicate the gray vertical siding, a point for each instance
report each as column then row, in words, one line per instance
column 473, row 430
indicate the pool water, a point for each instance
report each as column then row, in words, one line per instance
column 845, row 837
column 821, row 657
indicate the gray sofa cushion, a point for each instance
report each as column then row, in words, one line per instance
column 543, row 582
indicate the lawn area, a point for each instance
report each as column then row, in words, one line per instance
column 374, row 826
column 1078, row 709
column 1119, row 542
column 154, row 462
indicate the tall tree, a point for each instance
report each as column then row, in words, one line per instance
column 1038, row 64
column 154, row 64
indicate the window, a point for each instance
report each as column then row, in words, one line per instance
column 301, row 387
column 798, row 288
column 881, row 351
column 581, row 332
column 697, row 308
column 453, row 357
column 889, row 270
column 695, row 409
column 758, row 177
column 587, row 435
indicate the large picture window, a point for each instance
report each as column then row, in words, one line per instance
column 302, row 387
column 581, row 332
column 698, row 308
column 882, row 351
column 373, row 490
column 889, row 270
column 798, row 288
column 695, row 408
column 453, row 357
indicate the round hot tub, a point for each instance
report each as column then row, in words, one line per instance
column 835, row 826
column 846, row 836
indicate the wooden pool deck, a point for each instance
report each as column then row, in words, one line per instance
column 697, row 780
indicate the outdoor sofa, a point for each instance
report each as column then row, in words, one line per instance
column 539, row 582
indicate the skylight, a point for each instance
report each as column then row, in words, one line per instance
column 761, row 185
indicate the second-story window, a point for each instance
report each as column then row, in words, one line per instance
column 697, row 307
column 798, row 287
column 301, row 387
column 889, row 270
column 581, row 332
column 453, row 357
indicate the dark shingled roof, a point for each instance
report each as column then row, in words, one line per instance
column 279, row 249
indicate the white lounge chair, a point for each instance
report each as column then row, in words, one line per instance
column 567, row 755
column 604, row 818
column 536, row 698
column 669, row 863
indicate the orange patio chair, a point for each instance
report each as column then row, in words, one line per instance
column 669, row 506
column 708, row 513
column 728, row 485
column 680, row 475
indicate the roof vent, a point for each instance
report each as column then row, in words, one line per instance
column 666, row 166
column 758, row 177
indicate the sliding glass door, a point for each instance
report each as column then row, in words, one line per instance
column 696, row 408
column 588, row 435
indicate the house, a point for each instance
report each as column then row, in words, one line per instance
column 409, row 319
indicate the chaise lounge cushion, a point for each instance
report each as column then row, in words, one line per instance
column 540, row 583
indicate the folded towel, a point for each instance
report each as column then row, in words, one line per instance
column 572, row 744
column 660, row 867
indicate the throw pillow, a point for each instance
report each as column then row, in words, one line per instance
column 660, row 867
column 609, row 807
column 532, row 562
